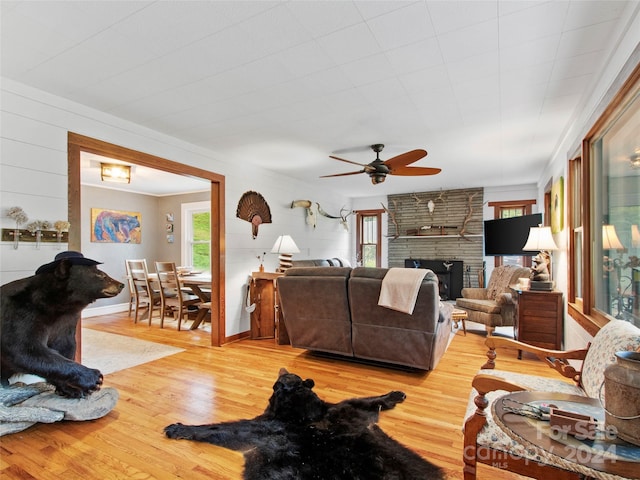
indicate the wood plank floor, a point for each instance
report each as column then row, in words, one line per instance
column 206, row 384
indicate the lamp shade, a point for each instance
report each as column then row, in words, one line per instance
column 540, row 239
column 285, row 244
column 610, row 240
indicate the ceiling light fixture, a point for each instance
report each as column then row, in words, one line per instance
column 115, row 173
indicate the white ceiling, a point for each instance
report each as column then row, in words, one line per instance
column 488, row 88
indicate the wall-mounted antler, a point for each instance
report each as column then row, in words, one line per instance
column 344, row 215
column 323, row 213
column 392, row 217
column 468, row 216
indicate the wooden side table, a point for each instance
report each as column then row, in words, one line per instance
column 539, row 318
column 459, row 315
column 263, row 293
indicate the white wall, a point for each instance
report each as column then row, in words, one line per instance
column 33, row 175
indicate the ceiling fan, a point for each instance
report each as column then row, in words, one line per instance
column 378, row 169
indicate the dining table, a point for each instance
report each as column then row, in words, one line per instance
column 199, row 283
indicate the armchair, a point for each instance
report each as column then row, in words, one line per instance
column 484, row 440
column 493, row 306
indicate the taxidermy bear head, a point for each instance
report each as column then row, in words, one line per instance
column 293, row 400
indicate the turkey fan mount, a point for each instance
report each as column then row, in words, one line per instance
column 253, row 208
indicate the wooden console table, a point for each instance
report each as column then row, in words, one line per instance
column 263, row 293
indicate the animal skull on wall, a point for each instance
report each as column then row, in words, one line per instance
column 311, row 216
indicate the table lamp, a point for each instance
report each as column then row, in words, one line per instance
column 285, row 247
column 541, row 240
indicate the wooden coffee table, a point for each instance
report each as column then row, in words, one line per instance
column 459, row 315
column 605, row 454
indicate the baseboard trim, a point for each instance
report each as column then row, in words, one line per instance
column 105, row 310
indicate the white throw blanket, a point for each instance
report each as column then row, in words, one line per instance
column 400, row 287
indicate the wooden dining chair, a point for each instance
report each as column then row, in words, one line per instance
column 173, row 297
column 132, row 295
column 145, row 295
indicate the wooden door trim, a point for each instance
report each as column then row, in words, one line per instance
column 77, row 143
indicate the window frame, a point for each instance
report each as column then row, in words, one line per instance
column 583, row 309
column 360, row 216
column 186, row 211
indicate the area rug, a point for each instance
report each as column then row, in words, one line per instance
column 110, row 353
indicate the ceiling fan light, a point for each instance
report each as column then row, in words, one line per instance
column 377, row 178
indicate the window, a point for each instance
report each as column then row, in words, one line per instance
column 196, row 235
column 605, row 241
column 368, row 237
column 510, row 209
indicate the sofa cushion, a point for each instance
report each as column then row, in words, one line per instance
column 615, row 336
column 315, row 308
column 485, row 306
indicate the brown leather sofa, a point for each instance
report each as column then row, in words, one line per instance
column 335, row 310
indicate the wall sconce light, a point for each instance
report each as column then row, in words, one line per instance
column 285, row 247
column 110, row 172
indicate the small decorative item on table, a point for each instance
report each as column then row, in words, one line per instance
column 261, row 258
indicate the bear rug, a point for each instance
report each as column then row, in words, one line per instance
column 301, row 437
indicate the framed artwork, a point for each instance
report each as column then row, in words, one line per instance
column 170, row 238
column 115, row 226
column 169, row 217
column 169, row 227
column 557, row 206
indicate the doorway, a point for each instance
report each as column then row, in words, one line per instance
column 77, row 144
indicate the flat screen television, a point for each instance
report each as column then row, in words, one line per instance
column 507, row 236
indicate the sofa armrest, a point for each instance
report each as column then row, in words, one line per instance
column 556, row 359
column 504, row 299
column 475, row 293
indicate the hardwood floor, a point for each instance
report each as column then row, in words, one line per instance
column 207, row 384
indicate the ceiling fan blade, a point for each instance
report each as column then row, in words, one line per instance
column 414, row 171
column 348, row 161
column 405, row 158
column 342, row 174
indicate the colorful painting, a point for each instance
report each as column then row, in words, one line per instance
column 557, row 206
column 114, row 226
